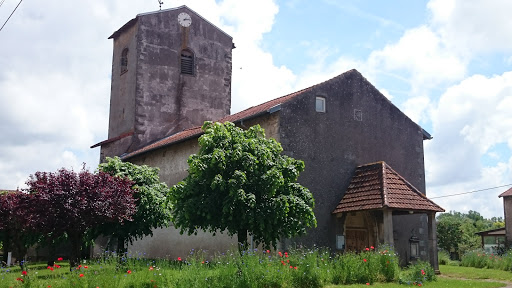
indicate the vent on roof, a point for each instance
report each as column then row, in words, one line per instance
column 187, row 62
column 358, row 115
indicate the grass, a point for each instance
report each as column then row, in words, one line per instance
column 314, row 268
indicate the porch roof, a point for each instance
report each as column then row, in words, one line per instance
column 376, row 186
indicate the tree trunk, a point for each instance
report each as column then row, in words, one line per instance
column 76, row 244
column 121, row 249
column 51, row 252
column 7, row 246
column 242, row 240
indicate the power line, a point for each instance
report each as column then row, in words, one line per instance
column 457, row 194
column 10, row 15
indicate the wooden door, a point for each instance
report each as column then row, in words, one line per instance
column 356, row 239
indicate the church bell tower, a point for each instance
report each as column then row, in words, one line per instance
column 171, row 70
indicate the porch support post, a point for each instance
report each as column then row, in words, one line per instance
column 432, row 242
column 388, row 226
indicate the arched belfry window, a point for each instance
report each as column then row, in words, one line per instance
column 187, row 62
column 124, row 60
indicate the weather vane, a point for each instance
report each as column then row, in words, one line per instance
column 160, row 2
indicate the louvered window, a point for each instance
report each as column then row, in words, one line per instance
column 124, row 60
column 187, row 62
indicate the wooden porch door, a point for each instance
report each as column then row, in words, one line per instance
column 356, row 239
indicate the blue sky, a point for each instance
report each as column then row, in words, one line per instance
column 447, row 64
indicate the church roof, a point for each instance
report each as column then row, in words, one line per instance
column 506, row 193
column 252, row 112
column 376, row 186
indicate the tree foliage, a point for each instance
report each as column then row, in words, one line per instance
column 14, row 233
column 72, row 203
column 151, row 200
column 456, row 231
column 240, row 182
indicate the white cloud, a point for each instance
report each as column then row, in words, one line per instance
column 469, row 119
column 474, row 26
column 421, row 54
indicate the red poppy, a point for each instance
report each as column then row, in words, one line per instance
column 291, row 267
column 19, row 279
column 179, row 258
column 79, row 266
column 367, row 283
column 295, row 267
column 81, row 275
column 129, row 271
column 56, row 266
column 151, row 268
column 280, row 254
column 268, row 251
column 371, row 247
column 282, row 262
column 24, row 272
column 364, row 260
column 60, row 259
column 49, row 267
column 367, row 249
column 286, row 254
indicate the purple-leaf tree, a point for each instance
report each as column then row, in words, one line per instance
column 72, row 203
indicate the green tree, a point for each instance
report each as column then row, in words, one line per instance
column 151, row 200
column 240, row 182
column 456, row 232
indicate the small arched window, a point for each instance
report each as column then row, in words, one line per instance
column 187, row 62
column 124, row 60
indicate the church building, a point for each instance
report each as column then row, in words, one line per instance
column 171, row 71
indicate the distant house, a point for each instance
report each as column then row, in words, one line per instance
column 507, row 211
column 493, row 241
column 363, row 156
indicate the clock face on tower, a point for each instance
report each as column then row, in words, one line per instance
column 184, row 19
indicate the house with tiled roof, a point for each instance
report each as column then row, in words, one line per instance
column 363, row 156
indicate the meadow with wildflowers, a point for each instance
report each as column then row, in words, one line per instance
column 295, row 268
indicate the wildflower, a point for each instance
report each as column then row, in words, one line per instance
column 367, row 249
column 291, row 267
column 24, row 273
column 81, row 275
column 422, row 272
column 367, row 283
column 151, row 267
column 79, row 266
column 60, row 259
column 282, row 262
column 268, row 251
column 86, row 267
column 56, row 266
column 280, row 254
column 364, row 260
column 179, row 258
column 19, row 279
column 371, row 247
column 295, row 267
column 286, row 254
column 49, row 267
column 129, row 271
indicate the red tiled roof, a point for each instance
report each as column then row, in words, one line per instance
column 196, row 131
column 129, row 133
column 506, row 193
column 376, row 185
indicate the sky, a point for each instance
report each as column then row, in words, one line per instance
column 447, row 64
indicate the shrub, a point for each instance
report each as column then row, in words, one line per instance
column 418, row 274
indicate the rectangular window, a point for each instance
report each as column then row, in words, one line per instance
column 320, row 104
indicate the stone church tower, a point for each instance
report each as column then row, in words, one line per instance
column 171, row 70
